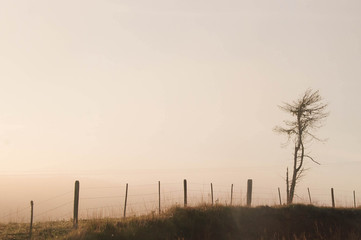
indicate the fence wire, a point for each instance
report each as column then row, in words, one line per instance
column 108, row 202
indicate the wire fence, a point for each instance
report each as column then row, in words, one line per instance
column 109, row 202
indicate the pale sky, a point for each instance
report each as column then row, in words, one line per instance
column 149, row 90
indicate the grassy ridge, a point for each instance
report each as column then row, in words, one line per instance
column 219, row 222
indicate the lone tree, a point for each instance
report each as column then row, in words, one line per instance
column 308, row 113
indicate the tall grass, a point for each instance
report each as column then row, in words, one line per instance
column 225, row 222
column 206, row 222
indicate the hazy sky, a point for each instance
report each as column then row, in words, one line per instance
column 174, row 89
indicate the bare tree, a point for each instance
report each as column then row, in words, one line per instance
column 308, row 113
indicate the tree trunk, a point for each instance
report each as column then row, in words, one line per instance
column 293, row 186
column 287, row 188
column 295, row 172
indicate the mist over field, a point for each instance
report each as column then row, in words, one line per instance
column 103, row 195
column 109, row 93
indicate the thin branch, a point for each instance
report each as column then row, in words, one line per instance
column 312, row 159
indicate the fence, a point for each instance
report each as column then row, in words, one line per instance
column 135, row 200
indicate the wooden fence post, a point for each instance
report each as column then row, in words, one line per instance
column 354, row 199
column 249, row 192
column 159, row 195
column 309, row 195
column 212, row 193
column 333, row 198
column 31, row 218
column 185, row 192
column 231, row 194
column 125, row 202
column 279, row 196
column 76, row 205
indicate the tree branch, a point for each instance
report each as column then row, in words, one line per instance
column 312, row 159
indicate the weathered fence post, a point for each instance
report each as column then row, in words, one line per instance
column 212, row 193
column 231, row 194
column 279, row 196
column 125, row 202
column 159, row 195
column 31, row 218
column 309, row 195
column 249, row 192
column 76, row 205
column 185, row 192
column 354, row 199
column 333, row 198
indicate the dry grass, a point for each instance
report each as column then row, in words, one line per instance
column 296, row 222
column 42, row 230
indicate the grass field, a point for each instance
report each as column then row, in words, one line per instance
column 207, row 222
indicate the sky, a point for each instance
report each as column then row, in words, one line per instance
column 140, row 91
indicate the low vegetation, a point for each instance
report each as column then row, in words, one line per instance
column 207, row 222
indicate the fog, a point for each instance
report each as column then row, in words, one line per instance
column 109, row 93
